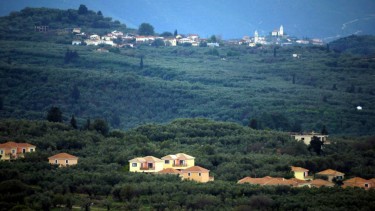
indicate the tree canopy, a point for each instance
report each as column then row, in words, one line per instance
column 82, row 10
column 54, row 114
column 146, row 29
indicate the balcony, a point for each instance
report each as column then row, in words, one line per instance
column 180, row 165
column 147, row 168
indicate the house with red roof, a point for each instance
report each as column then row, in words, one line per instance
column 300, row 173
column 170, row 171
column 178, row 161
column 277, row 181
column 12, row 150
column 63, row 159
column 197, row 173
column 331, row 174
column 148, row 164
column 359, row 182
column 273, row 181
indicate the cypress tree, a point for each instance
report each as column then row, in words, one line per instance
column 73, row 122
column 141, row 63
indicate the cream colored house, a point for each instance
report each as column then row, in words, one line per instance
column 196, row 173
column 170, row 41
column 178, row 161
column 148, row 164
column 63, row 159
column 306, row 138
column 12, row 150
column 300, row 173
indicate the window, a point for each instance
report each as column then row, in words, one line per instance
column 150, row 165
column 200, row 174
column 366, row 185
column 31, row 150
column 13, row 151
column 1, row 152
column 66, row 161
column 166, row 161
column 302, row 139
column 134, row 164
column 189, row 174
column 56, row 162
column 23, row 150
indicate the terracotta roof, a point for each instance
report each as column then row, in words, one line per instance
column 281, row 181
column 150, row 159
column 320, row 183
column 299, row 181
column 267, row 180
column 294, row 168
column 169, row 171
column 356, row 180
column 331, row 172
column 184, row 156
column 195, row 169
column 179, row 156
column 258, row 181
column 11, row 144
column 63, row 156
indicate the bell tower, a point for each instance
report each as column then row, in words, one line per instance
column 281, row 31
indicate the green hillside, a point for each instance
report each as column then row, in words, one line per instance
column 233, row 84
column 101, row 179
column 22, row 25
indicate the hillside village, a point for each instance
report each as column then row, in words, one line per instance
column 120, row 39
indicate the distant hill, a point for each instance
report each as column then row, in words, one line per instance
column 232, row 83
column 361, row 45
column 21, row 25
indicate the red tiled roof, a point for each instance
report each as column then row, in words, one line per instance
column 331, row 172
column 169, row 171
column 267, row 180
column 178, row 156
column 294, row 168
column 281, row 181
column 259, row 181
column 63, row 156
column 320, row 183
column 359, row 182
column 195, row 169
column 149, row 159
column 356, row 180
column 11, row 144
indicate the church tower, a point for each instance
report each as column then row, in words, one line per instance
column 256, row 37
column 281, row 32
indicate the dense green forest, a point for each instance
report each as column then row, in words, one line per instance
column 231, row 151
column 231, row 83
